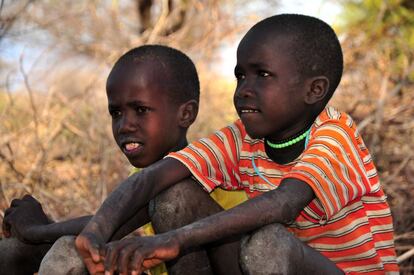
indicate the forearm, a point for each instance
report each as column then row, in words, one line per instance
column 133, row 195
column 53, row 231
column 278, row 206
column 139, row 219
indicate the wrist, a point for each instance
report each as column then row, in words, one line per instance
column 179, row 237
column 35, row 234
column 94, row 229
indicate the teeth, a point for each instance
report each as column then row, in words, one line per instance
column 131, row 146
column 249, row 111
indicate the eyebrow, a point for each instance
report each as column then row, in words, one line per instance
column 112, row 106
column 253, row 65
column 136, row 103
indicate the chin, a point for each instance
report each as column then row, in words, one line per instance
column 138, row 163
column 253, row 133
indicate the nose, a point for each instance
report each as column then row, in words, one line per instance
column 244, row 89
column 128, row 123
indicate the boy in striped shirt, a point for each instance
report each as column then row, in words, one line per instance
column 315, row 205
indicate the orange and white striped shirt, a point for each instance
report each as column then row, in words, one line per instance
column 349, row 221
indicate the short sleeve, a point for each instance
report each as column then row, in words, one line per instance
column 213, row 161
column 333, row 165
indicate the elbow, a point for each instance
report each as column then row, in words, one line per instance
column 289, row 213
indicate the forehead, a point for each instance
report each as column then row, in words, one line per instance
column 268, row 44
column 147, row 74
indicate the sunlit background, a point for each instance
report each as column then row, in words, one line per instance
column 55, row 137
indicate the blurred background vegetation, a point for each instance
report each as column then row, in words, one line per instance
column 55, row 137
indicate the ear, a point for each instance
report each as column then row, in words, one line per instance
column 187, row 113
column 318, row 89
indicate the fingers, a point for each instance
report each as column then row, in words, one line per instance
column 136, row 263
column 94, row 250
column 15, row 202
column 26, row 198
column 88, row 248
column 110, row 258
column 125, row 258
column 87, row 245
column 29, row 198
column 6, row 226
column 120, row 255
column 8, row 211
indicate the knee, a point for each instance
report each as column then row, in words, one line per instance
column 62, row 258
column 181, row 204
column 270, row 250
column 17, row 257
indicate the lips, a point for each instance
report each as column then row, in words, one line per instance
column 131, row 147
column 245, row 110
column 248, row 111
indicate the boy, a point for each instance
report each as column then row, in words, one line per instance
column 315, row 207
column 153, row 95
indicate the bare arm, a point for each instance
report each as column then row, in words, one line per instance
column 282, row 205
column 129, row 197
column 53, row 231
column 26, row 220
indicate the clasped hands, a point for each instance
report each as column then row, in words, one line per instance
column 131, row 255
column 23, row 219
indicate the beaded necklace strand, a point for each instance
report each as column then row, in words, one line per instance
column 296, row 140
column 289, row 142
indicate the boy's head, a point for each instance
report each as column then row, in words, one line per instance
column 288, row 67
column 153, row 93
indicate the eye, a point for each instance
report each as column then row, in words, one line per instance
column 239, row 76
column 142, row 110
column 263, row 74
column 115, row 113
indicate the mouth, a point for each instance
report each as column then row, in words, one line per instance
column 248, row 110
column 130, row 147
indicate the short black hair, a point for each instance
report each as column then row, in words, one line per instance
column 314, row 45
column 181, row 72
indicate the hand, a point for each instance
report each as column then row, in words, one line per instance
column 88, row 246
column 136, row 254
column 23, row 219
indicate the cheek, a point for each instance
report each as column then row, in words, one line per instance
column 114, row 131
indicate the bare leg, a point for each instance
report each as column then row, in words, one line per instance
column 185, row 203
column 274, row 250
column 63, row 259
column 18, row 258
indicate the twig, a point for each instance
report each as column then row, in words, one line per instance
column 11, row 165
column 405, row 256
column 379, row 114
column 398, row 169
column 404, row 236
column 160, row 23
column 10, row 21
column 4, row 193
column 31, row 99
column 41, row 156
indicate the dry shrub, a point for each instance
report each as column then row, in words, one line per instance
column 377, row 90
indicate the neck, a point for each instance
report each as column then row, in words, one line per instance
column 182, row 143
column 287, row 154
column 288, row 149
column 303, row 135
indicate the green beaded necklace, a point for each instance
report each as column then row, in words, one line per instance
column 290, row 142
